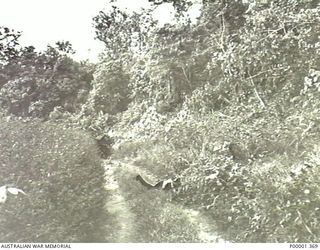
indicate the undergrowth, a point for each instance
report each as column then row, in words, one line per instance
column 157, row 219
column 60, row 171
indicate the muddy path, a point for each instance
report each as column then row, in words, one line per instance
column 120, row 208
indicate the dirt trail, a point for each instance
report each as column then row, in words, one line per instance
column 119, row 208
column 206, row 233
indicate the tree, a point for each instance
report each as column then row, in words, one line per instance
column 123, row 33
column 33, row 83
column 9, row 44
column 180, row 6
column 110, row 93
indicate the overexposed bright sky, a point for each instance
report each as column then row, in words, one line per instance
column 45, row 22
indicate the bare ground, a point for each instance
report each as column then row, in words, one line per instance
column 125, row 219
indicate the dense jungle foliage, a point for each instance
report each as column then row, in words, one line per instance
column 229, row 102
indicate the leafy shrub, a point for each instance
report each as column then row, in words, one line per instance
column 110, row 93
column 61, row 173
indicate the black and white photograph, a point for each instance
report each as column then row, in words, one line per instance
column 159, row 121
